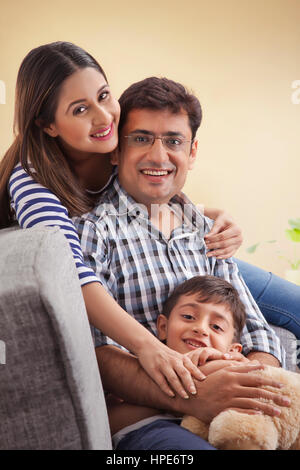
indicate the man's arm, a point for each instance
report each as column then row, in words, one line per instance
column 264, row 358
column 229, row 387
column 257, row 337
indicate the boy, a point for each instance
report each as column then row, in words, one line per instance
column 203, row 318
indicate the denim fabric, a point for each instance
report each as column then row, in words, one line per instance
column 278, row 299
column 163, row 435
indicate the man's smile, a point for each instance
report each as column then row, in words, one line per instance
column 156, row 172
column 156, row 175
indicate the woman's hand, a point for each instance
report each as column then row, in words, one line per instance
column 171, row 370
column 225, row 236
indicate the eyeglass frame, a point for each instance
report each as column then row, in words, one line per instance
column 153, row 138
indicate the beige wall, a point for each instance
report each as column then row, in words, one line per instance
column 239, row 56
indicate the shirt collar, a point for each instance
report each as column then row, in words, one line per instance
column 116, row 201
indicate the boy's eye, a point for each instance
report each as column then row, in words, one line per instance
column 187, row 316
column 216, row 327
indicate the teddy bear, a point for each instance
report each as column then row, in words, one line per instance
column 232, row 430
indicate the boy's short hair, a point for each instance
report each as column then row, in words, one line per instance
column 157, row 94
column 211, row 289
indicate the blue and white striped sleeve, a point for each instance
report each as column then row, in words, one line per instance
column 95, row 247
column 35, row 205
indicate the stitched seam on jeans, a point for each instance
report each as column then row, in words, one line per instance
column 262, row 293
column 271, row 307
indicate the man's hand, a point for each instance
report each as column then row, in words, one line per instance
column 229, row 387
column 225, row 236
column 236, row 388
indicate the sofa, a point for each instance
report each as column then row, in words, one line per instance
column 50, row 388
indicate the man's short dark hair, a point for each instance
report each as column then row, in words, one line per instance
column 160, row 93
column 211, row 289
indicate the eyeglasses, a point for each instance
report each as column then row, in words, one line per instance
column 174, row 143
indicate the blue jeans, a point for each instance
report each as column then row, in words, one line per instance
column 163, row 435
column 278, row 299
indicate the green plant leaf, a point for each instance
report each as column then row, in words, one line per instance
column 293, row 235
column 295, row 266
column 252, row 248
column 295, row 223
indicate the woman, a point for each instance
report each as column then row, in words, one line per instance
column 66, row 126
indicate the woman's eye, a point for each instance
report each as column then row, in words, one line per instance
column 103, row 95
column 79, row 110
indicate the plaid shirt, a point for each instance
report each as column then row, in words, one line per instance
column 140, row 267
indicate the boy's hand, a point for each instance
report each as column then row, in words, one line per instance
column 200, row 356
column 236, row 356
column 213, row 366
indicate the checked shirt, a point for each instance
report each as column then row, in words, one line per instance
column 140, row 267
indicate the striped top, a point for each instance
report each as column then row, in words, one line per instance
column 34, row 205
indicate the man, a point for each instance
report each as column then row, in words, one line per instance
column 145, row 237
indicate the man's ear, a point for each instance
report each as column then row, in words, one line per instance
column 161, row 324
column 236, row 347
column 193, row 154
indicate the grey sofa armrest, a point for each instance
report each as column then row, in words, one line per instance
column 51, row 395
column 289, row 342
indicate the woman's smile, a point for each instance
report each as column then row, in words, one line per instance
column 103, row 134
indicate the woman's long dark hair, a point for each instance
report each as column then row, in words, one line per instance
column 39, row 81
